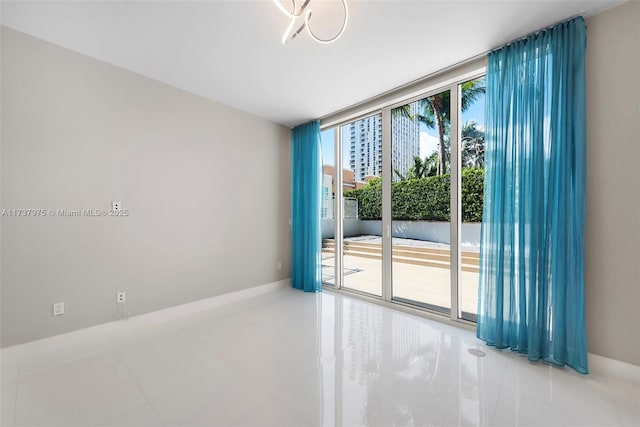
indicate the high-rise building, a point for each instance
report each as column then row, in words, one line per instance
column 365, row 142
column 365, row 139
column 405, row 141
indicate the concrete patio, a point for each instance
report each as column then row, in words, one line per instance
column 423, row 278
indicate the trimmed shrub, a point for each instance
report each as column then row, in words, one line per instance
column 472, row 194
column 369, row 199
column 422, row 199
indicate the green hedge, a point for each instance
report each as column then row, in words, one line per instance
column 472, row 194
column 422, row 199
column 369, row 199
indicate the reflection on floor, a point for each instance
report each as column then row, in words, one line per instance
column 294, row 358
column 328, row 270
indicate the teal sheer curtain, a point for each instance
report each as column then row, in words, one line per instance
column 306, row 193
column 531, row 293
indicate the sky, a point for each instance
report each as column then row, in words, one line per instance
column 428, row 137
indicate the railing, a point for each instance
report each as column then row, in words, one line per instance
column 349, row 208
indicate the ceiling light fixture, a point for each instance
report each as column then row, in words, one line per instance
column 300, row 16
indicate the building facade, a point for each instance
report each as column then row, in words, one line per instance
column 365, row 144
column 329, row 190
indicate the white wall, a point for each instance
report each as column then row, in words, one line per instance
column 612, row 256
column 207, row 187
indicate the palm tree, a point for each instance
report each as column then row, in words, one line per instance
column 403, row 111
column 435, row 112
column 472, row 145
column 431, row 164
column 421, row 168
column 399, row 174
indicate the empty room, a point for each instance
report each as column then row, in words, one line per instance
column 319, row 213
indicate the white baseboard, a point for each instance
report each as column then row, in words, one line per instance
column 597, row 364
column 34, row 355
column 614, row 368
column 169, row 313
column 218, row 300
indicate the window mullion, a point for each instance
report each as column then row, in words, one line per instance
column 456, row 200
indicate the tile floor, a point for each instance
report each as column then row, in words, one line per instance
column 290, row 358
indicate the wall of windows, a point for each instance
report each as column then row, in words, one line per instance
column 407, row 228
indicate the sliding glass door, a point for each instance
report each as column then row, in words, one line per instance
column 471, row 192
column 406, row 201
column 351, row 233
column 328, row 207
column 420, row 201
column 362, row 205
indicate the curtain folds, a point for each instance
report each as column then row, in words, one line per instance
column 531, row 289
column 306, row 193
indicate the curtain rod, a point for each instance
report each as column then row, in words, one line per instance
column 443, row 70
column 540, row 31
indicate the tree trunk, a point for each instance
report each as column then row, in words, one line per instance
column 437, row 112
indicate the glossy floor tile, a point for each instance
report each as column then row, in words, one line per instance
column 295, row 359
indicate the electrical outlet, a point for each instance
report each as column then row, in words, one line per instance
column 121, row 297
column 279, row 265
column 116, row 206
column 58, row 309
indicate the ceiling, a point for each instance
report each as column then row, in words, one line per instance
column 230, row 51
